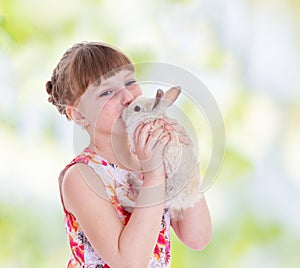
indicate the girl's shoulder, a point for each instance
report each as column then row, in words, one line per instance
column 79, row 178
column 80, row 181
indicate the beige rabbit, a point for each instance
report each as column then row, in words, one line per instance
column 180, row 162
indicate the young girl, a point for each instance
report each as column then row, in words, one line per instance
column 91, row 85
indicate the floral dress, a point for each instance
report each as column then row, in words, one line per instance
column 117, row 187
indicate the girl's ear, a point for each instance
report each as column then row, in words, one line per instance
column 76, row 116
column 171, row 95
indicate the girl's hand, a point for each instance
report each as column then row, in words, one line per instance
column 150, row 141
column 172, row 125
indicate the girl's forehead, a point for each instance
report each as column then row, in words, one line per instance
column 120, row 75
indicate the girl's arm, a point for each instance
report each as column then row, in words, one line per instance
column 120, row 246
column 194, row 229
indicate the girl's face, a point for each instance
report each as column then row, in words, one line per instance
column 102, row 104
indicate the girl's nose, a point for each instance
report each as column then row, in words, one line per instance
column 126, row 97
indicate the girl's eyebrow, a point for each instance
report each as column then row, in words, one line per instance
column 128, row 75
column 100, row 82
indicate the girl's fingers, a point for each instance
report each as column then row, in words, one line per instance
column 141, row 134
column 150, row 142
column 170, row 121
column 161, row 143
column 154, row 137
column 185, row 140
column 180, row 129
column 174, row 126
column 137, row 131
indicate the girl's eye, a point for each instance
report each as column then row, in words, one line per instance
column 106, row 93
column 129, row 83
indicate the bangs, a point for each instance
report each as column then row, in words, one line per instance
column 94, row 62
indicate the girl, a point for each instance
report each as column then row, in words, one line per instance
column 91, row 85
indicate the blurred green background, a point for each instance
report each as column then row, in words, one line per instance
column 246, row 52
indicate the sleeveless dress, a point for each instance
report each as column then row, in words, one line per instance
column 117, row 187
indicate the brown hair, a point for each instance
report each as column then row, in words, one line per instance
column 81, row 66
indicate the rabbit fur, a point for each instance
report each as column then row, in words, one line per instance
column 181, row 164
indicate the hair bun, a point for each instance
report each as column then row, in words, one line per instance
column 49, row 87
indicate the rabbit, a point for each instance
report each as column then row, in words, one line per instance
column 181, row 164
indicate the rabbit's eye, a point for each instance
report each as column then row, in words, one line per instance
column 137, row 108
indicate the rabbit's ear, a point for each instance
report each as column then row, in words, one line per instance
column 171, row 95
column 159, row 96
